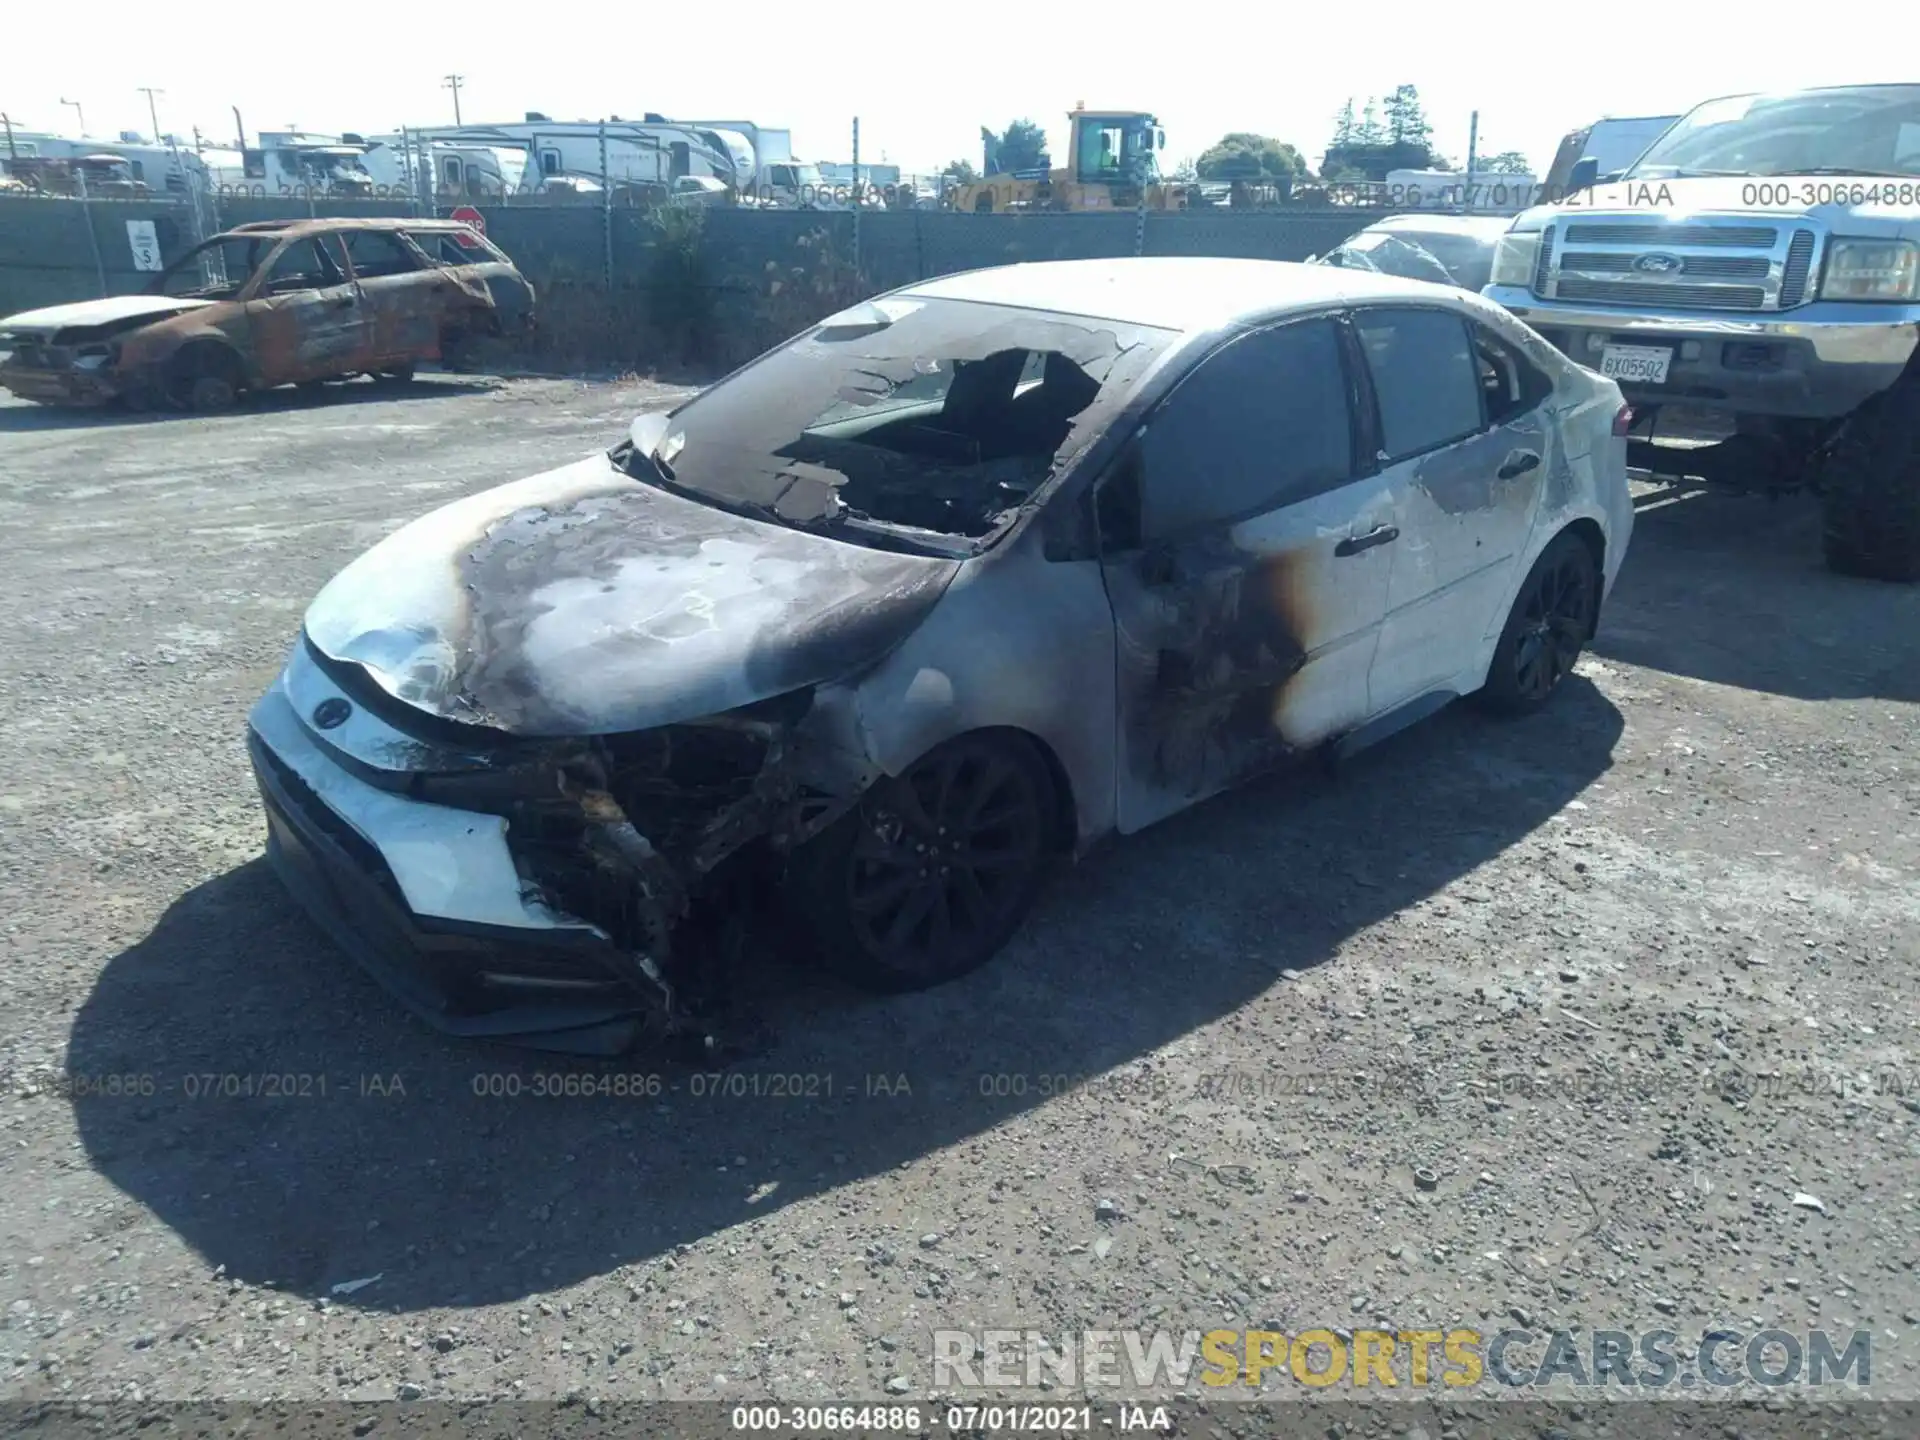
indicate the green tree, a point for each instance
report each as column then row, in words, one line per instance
column 1343, row 126
column 1507, row 162
column 1246, row 156
column 1406, row 120
column 1021, row 146
column 1371, row 149
column 960, row 172
column 1368, row 131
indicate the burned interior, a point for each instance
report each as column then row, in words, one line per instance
column 940, row 417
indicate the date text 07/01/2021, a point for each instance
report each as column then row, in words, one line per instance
column 833, row 1420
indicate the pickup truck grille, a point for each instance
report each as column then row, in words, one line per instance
column 1692, row 265
column 1687, row 297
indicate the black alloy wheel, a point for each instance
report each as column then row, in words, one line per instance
column 1552, row 619
column 929, row 875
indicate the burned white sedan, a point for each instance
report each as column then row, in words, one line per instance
column 959, row 581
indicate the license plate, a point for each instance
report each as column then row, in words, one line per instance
column 1645, row 363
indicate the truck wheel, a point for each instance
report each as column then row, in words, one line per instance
column 1870, row 489
column 927, row 877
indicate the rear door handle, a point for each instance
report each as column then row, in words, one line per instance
column 1518, row 463
column 1354, row 544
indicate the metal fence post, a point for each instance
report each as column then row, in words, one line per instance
column 606, row 215
column 93, row 237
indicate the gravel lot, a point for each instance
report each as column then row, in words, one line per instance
column 1516, row 955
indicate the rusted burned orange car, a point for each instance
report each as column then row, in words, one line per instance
column 275, row 303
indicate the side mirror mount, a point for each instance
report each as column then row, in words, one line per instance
column 1586, row 171
column 648, row 430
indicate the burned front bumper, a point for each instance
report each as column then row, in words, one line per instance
column 59, row 385
column 429, row 899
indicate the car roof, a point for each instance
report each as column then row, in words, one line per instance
column 1172, row 292
column 352, row 222
column 1479, row 227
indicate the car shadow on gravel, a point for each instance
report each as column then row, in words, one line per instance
column 268, row 402
column 289, row 1121
column 1731, row 589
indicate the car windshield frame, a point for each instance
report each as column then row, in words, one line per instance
column 1813, row 131
column 267, row 242
column 732, row 446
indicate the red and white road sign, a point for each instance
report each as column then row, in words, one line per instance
column 469, row 216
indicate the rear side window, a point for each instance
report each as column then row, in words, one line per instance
column 448, row 250
column 1511, row 383
column 375, row 252
column 1425, row 377
column 1257, row 425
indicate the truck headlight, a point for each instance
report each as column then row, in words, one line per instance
column 1871, row 270
column 1515, row 256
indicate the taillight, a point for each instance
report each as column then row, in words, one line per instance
column 1623, row 420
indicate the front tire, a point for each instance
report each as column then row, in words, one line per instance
column 929, row 875
column 1552, row 619
column 1870, row 490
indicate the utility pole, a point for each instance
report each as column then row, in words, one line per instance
column 239, row 130
column 1473, row 152
column 7, row 120
column 452, row 82
column 79, row 112
column 153, row 114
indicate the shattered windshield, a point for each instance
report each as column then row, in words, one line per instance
column 1860, row 130
column 916, row 415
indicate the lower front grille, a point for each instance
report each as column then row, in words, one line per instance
column 1689, row 297
column 318, row 813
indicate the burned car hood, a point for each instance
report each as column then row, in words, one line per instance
column 583, row 602
column 109, row 311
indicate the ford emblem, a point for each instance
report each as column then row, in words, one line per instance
column 1660, row 264
column 331, row 714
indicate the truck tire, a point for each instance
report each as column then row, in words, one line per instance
column 1870, row 489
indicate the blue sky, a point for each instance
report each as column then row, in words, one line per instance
column 921, row 78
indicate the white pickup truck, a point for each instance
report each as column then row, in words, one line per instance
column 1759, row 263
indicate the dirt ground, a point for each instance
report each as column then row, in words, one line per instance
column 1632, row 982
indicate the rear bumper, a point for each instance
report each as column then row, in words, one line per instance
column 342, row 846
column 1818, row 361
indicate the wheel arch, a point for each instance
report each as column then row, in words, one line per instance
column 1587, row 530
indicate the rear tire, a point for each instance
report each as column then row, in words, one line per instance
column 394, row 375
column 929, row 875
column 1870, row 489
column 1552, row 619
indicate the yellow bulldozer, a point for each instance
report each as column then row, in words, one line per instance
column 1111, row 165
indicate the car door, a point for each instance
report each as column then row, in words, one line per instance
column 404, row 295
column 1242, row 549
column 307, row 316
column 1463, row 440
